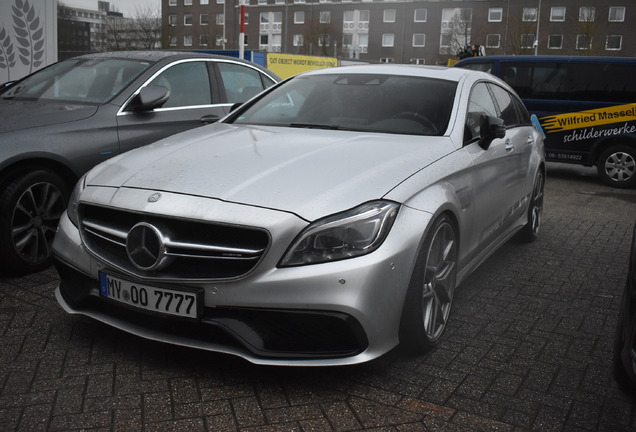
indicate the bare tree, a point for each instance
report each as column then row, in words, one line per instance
column 142, row 31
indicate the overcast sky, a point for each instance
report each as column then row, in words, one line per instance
column 127, row 7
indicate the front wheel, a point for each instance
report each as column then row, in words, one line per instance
column 530, row 231
column 617, row 166
column 30, row 208
column 432, row 287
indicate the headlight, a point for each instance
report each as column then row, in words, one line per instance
column 73, row 201
column 349, row 234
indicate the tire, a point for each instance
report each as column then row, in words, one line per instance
column 621, row 376
column 530, row 231
column 616, row 166
column 30, row 208
column 431, row 289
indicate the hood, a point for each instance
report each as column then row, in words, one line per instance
column 311, row 173
column 21, row 114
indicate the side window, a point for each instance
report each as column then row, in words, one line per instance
column 506, row 105
column 480, row 103
column 188, row 84
column 241, row 82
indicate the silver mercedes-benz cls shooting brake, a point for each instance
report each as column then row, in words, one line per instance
column 322, row 223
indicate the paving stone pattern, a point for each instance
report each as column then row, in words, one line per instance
column 528, row 347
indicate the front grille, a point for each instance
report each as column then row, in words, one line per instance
column 195, row 250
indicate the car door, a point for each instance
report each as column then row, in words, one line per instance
column 193, row 101
column 519, row 143
column 495, row 182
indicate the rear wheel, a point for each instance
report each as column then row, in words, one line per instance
column 617, row 166
column 432, row 287
column 30, row 208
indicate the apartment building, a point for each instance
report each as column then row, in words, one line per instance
column 405, row 31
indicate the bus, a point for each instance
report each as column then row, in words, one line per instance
column 586, row 106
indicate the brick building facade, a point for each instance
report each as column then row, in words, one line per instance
column 408, row 31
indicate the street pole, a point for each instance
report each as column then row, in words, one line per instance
column 536, row 38
column 242, row 30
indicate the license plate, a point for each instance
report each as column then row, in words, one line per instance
column 162, row 300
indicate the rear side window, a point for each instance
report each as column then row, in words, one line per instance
column 597, row 82
column 512, row 111
column 241, row 82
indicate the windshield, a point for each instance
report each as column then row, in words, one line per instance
column 75, row 80
column 357, row 102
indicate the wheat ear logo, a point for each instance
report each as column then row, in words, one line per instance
column 29, row 35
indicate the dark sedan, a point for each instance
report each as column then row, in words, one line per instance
column 62, row 120
column 625, row 341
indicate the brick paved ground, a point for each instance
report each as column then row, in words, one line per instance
column 528, row 348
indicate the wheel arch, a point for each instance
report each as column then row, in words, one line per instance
column 16, row 168
column 606, row 143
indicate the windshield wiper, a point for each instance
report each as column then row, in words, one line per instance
column 315, row 126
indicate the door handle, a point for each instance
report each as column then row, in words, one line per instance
column 530, row 139
column 210, row 118
column 509, row 147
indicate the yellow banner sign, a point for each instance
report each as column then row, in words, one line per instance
column 595, row 117
column 286, row 65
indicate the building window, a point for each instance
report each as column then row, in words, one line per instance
column 172, row 20
column 555, row 41
column 420, row 15
column 557, row 14
column 493, row 40
column 299, row 17
column 387, row 39
column 389, row 16
column 324, row 39
column 419, row 61
column 279, row 2
column 419, row 40
column 586, row 14
column 583, row 42
column 220, row 1
column 495, row 14
column 188, row 3
column 616, row 14
column 264, row 17
column 264, row 40
column 262, row 2
column 205, row 20
column 187, row 40
column 387, row 60
column 172, row 3
column 530, row 15
column 203, row 40
column 299, row 1
column 187, row 19
column 614, row 43
column 246, row 18
column 173, row 41
column 325, row 17
column 298, row 40
column 220, row 19
column 204, row 2
column 364, row 17
column 527, row 40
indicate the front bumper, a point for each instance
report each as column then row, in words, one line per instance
column 339, row 313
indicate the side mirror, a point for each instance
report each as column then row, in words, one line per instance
column 490, row 128
column 151, row 97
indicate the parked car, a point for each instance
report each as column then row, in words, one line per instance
column 321, row 223
column 585, row 105
column 625, row 340
column 62, row 120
